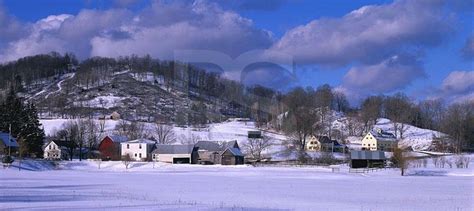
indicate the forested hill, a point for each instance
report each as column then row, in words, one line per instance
column 139, row 88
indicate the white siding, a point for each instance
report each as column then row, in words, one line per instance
column 52, row 151
column 168, row 158
column 133, row 149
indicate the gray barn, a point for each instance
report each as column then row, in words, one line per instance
column 367, row 159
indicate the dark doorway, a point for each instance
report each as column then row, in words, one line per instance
column 181, row 160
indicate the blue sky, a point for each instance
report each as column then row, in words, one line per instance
column 423, row 48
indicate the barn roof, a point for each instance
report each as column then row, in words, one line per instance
column 118, row 138
column 367, row 155
column 173, row 149
column 8, row 140
column 234, row 151
column 232, row 144
column 208, row 145
column 215, row 146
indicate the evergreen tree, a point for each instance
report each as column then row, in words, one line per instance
column 31, row 131
column 23, row 121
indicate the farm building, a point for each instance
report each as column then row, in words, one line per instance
column 175, row 153
column 367, row 159
column 254, row 134
column 208, row 152
column 109, row 147
column 57, row 150
column 138, row 150
column 7, row 143
column 232, row 156
column 226, row 153
column 379, row 140
column 115, row 116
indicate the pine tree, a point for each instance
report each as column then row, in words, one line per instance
column 31, row 131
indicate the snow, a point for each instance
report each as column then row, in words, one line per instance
column 418, row 138
column 50, row 126
column 107, row 102
column 81, row 185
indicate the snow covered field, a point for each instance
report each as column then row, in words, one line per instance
column 81, row 185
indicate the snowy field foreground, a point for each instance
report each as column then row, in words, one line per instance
column 148, row 186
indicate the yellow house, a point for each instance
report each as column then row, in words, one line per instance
column 313, row 144
column 378, row 139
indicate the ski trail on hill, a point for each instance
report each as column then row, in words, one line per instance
column 60, row 85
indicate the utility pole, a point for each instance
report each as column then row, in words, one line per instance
column 9, row 139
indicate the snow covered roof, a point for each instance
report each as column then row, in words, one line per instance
column 367, row 155
column 383, row 135
column 8, row 140
column 140, row 141
column 173, row 149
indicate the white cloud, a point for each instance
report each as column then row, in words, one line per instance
column 389, row 75
column 457, row 87
column 368, row 34
column 158, row 30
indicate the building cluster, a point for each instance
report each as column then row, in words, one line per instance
column 115, row 147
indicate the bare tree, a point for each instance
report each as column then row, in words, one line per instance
column 164, row 134
column 133, row 130
column 399, row 160
column 301, row 121
column 126, row 160
column 399, row 109
column 192, row 139
column 256, row 146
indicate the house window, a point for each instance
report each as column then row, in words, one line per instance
column 49, row 146
column 48, row 154
column 154, row 156
column 140, row 155
column 128, row 146
column 139, row 146
column 135, row 154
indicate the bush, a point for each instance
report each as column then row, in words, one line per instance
column 326, row 158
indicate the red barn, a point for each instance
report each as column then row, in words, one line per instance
column 109, row 147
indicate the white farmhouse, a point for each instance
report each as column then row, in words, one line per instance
column 56, row 150
column 378, row 139
column 138, row 150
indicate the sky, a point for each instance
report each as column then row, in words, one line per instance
column 424, row 48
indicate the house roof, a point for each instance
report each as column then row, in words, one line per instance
column 367, row 155
column 173, row 149
column 234, row 151
column 61, row 143
column 140, row 141
column 383, row 135
column 8, row 140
